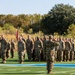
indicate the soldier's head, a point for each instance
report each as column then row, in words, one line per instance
column 60, row 38
column 66, row 39
column 20, row 38
column 22, row 35
column 44, row 37
column 12, row 39
column 28, row 37
column 2, row 36
column 47, row 38
column 50, row 37
column 37, row 38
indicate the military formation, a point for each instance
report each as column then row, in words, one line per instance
column 47, row 48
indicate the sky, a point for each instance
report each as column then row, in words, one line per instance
column 16, row 7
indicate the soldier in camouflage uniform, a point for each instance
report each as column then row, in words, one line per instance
column 72, row 49
column 44, row 48
column 67, row 49
column 21, row 50
column 60, row 50
column 33, row 51
column 50, row 53
column 12, row 48
column 3, row 48
column 37, row 48
column 8, row 50
column 29, row 47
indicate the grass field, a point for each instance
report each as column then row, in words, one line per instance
column 32, row 70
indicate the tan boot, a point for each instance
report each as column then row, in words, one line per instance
column 4, row 62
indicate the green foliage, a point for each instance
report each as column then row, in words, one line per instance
column 71, row 30
column 40, row 33
column 9, row 28
column 1, row 31
column 30, row 31
column 58, row 19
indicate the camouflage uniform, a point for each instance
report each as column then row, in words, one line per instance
column 8, row 50
column 21, row 50
column 3, row 49
column 56, row 49
column 72, row 50
column 37, row 48
column 60, row 50
column 67, row 49
column 50, row 53
column 29, row 46
column 33, row 51
column 12, row 48
column 44, row 48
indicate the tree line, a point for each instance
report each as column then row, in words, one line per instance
column 60, row 19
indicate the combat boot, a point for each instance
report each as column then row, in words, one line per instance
column 3, row 62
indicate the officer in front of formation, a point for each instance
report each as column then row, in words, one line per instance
column 50, row 53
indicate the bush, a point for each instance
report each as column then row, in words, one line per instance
column 9, row 29
column 30, row 31
column 71, row 30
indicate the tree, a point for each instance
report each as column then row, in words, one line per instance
column 71, row 30
column 58, row 19
column 9, row 28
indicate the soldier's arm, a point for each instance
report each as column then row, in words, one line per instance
column 56, row 43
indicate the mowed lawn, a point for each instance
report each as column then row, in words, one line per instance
column 32, row 70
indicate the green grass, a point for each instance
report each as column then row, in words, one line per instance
column 9, row 70
column 34, row 71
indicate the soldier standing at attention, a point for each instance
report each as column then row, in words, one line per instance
column 3, row 48
column 67, row 49
column 21, row 50
column 29, row 47
column 12, row 48
column 8, row 49
column 37, row 48
column 72, row 49
column 50, row 53
column 60, row 50
column 44, row 48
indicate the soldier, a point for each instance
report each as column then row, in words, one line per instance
column 37, row 48
column 21, row 50
column 8, row 50
column 56, row 49
column 22, row 37
column 44, row 48
column 33, row 51
column 29, row 47
column 50, row 53
column 12, row 48
column 60, row 50
column 67, row 49
column 72, row 49
column 64, row 51
column 23, row 40
column 3, row 48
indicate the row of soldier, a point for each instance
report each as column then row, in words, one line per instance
column 36, row 50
